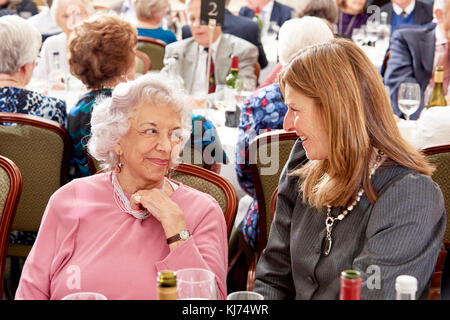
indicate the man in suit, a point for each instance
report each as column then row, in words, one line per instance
column 240, row 27
column 415, row 53
column 407, row 12
column 269, row 10
column 192, row 56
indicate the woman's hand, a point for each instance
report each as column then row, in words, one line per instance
column 158, row 203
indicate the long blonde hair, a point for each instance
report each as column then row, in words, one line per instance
column 352, row 100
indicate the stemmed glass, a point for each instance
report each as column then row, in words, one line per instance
column 409, row 98
column 196, row 284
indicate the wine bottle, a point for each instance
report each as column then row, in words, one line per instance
column 257, row 19
column 167, row 285
column 56, row 80
column 437, row 97
column 405, row 287
column 350, row 285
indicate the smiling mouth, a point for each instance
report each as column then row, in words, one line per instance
column 159, row 162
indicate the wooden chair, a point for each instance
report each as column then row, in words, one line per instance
column 143, row 63
column 10, row 190
column 273, row 203
column 40, row 148
column 276, row 144
column 281, row 142
column 154, row 49
column 257, row 70
column 209, row 182
column 440, row 157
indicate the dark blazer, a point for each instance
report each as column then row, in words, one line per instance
column 240, row 27
column 411, row 60
column 400, row 233
column 280, row 13
column 423, row 13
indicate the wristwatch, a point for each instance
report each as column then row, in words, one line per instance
column 182, row 235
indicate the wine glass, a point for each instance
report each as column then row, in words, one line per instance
column 196, row 284
column 245, row 295
column 85, row 296
column 408, row 98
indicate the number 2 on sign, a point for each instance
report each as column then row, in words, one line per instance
column 213, row 11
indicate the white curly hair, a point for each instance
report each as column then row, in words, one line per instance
column 110, row 117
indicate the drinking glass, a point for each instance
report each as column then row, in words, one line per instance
column 409, row 98
column 85, row 296
column 245, row 295
column 196, row 284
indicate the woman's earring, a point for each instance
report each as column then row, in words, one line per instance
column 119, row 166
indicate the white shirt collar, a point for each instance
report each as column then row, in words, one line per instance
column 440, row 37
column 268, row 9
column 214, row 46
column 408, row 9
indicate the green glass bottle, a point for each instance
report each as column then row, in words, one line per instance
column 437, row 97
column 167, row 285
column 257, row 19
column 233, row 85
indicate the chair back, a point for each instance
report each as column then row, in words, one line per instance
column 10, row 190
column 268, row 153
column 143, row 64
column 257, row 67
column 211, row 183
column 40, row 148
column 154, row 49
column 439, row 156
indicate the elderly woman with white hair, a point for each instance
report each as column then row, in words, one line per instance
column 150, row 14
column 265, row 110
column 114, row 231
column 20, row 43
column 67, row 15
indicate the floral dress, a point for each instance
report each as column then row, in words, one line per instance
column 29, row 102
column 262, row 112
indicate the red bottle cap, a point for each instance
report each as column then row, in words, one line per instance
column 350, row 285
column 235, row 63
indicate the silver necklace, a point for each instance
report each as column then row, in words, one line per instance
column 123, row 203
column 330, row 221
column 350, row 24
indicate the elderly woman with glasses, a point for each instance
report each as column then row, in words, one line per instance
column 67, row 14
column 113, row 232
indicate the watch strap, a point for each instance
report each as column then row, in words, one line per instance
column 177, row 237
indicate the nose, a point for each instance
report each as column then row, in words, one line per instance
column 288, row 122
column 164, row 143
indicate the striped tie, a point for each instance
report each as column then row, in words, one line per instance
column 211, row 79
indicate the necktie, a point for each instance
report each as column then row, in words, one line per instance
column 403, row 14
column 211, row 79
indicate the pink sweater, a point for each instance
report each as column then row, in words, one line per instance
column 85, row 243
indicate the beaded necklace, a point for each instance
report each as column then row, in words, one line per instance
column 330, row 221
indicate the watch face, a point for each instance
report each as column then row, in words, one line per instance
column 184, row 234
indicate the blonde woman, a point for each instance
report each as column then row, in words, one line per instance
column 365, row 199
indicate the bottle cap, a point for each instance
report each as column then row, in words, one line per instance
column 406, row 283
column 351, row 274
column 166, row 278
column 235, row 63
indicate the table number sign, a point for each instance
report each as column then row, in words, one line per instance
column 212, row 10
